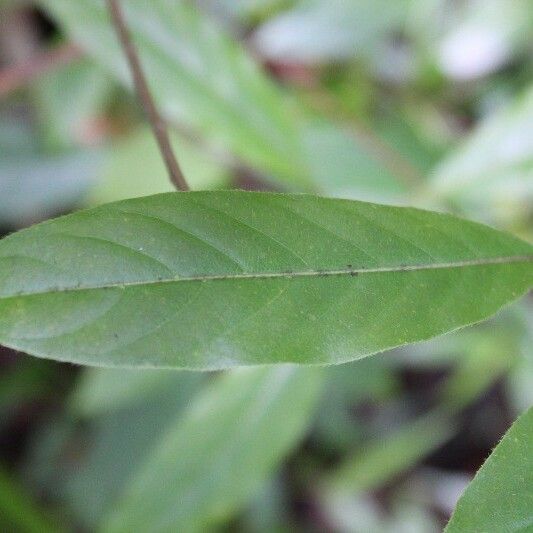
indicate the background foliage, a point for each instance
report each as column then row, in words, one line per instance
column 418, row 102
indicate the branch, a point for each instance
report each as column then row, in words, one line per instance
column 143, row 92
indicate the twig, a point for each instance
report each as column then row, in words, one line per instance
column 15, row 76
column 143, row 92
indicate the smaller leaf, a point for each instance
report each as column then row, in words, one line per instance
column 500, row 498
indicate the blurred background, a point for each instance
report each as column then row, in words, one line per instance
column 411, row 102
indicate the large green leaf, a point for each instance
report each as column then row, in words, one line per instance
column 500, row 498
column 209, row 280
column 220, row 453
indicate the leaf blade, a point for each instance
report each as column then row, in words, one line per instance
column 500, row 497
column 219, row 279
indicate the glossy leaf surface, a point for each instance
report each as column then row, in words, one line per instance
column 210, row 280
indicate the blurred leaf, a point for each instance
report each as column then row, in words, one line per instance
column 521, row 385
column 205, row 81
column 315, row 31
column 341, row 167
column 390, row 455
column 337, row 427
column 117, row 443
column 132, row 159
column 491, row 174
column 200, row 77
column 206, row 271
column 218, row 455
column 36, row 187
column 33, row 184
column 268, row 511
column 500, row 497
column 101, row 391
column 409, row 141
column 521, row 377
column 18, row 512
column 82, row 83
column 486, row 356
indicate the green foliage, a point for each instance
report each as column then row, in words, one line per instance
column 131, row 160
column 203, row 80
column 220, row 452
column 17, row 509
column 424, row 102
column 126, row 423
column 200, row 77
column 493, row 169
column 35, row 184
column 211, row 280
column 500, row 498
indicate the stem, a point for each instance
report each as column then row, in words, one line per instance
column 143, row 92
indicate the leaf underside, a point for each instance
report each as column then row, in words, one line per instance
column 210, row 280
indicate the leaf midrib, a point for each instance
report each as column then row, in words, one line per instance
column 287, row 274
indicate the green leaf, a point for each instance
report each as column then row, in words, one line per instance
column 500, row 498
column 105, row 390
column 219, row 454
column 82, row 81
column 333, row 156
column 120, row 436
column 315, row 31
column 391, row 454
column 205, row 81
column 210, row 280
column 36, row 187
column 200, row 77
column 484, row 359
column 492, row 172
column 18, row 512
column 136, row 156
